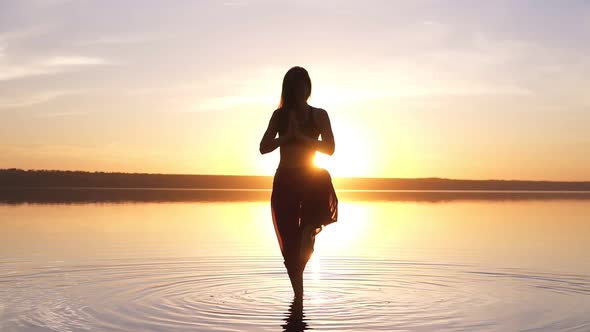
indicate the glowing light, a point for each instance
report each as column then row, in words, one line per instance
column 352, row 156
column 342, row 237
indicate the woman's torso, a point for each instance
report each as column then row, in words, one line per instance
column 297, row 154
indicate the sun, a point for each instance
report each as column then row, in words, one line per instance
column 352, row 156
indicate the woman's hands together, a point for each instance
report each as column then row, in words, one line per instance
column 293, row 132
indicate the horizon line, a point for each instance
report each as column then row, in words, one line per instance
column 266, row 176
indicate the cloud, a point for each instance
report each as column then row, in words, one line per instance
column 49, row 65
column 61, row 114
column 10, row 72
column 18, row 63
column 64, row 61
column 35, row 99
column 124, row 39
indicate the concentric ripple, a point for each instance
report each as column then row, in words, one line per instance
column 253, row 294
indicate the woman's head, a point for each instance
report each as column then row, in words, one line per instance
column 296, row 87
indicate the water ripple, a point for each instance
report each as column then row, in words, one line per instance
column 253, row 294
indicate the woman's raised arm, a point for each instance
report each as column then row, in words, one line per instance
column 269, row 140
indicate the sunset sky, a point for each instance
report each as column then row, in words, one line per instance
column 458, row 89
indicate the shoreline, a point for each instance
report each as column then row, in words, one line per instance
column 80, row 179
column 74, row 195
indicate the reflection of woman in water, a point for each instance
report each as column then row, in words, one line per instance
column 303, row 198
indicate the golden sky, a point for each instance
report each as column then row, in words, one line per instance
column 459, row 89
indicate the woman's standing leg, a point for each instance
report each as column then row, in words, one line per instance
column 285, row 214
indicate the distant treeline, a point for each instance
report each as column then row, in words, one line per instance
column 54, row 178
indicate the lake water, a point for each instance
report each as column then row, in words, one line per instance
column 388, row 264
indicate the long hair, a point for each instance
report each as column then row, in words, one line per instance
column 296, row 87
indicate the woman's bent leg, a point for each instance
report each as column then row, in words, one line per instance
column 306, row 248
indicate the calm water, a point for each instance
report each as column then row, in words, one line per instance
column 389, row 265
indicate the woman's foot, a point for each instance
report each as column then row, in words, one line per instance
column 298, row 300
column 297, row 284
column 296, row 278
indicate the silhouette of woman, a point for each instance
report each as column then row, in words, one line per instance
column 303, row 199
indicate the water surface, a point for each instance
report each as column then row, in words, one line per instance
column 390, row 265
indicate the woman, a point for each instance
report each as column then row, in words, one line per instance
column 303, row 198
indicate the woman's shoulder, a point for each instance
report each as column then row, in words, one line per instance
column 278, row 112
column 318, row 113
column 318, row 109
